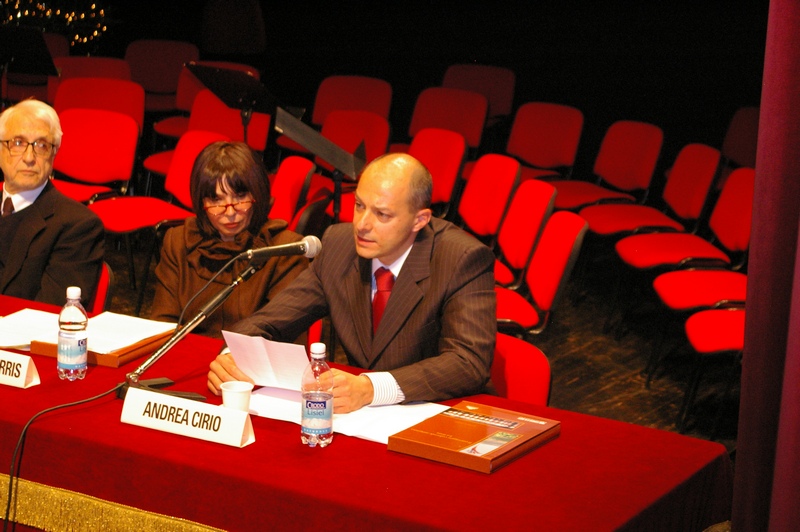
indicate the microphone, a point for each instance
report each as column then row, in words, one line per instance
column 309, row 246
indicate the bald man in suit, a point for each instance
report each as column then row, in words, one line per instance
column 436, row 338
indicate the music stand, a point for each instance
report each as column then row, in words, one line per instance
column 23, row 51
column 239, row 90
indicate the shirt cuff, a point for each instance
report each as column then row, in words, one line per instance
column 386, row 390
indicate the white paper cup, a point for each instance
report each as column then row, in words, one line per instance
column 236, row 394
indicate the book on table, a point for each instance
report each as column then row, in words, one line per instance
column 114, row 339
column 475, row 436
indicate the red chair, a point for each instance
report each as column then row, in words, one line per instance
column 729, row 224
column 209, row 113
column 740, row 142
column 86, row 67
column 544, row 137
column 495, row 82
column 713, row 334
column 349, row 129
column 487, row 195
column 355, row 93
column 187, row 90
column 122, row 96
column 545, row 279
column 128, row 214
column 103, row 293
column 688, row 291
column 156, row 65
column 520, row 371
column 442, row 152
column 289, row 185
column 97, row 153
column 530, row 208
column 624, row 168
column 456, row 110
column 684, row 198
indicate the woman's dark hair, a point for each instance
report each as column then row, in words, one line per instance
column 235, row 164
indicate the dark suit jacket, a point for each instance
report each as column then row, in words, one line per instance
column 58, row 244
column 437, row 333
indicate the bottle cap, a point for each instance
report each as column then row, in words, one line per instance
column 318, row 350
column 74, row 292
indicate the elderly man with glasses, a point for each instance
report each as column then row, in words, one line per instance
column 47, row 241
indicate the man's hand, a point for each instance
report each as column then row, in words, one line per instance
column 224, row 369
column 350, row 392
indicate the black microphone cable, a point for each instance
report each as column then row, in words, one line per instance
column 14, row 469
column 208, row 283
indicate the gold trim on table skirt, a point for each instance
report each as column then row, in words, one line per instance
column 50, row 508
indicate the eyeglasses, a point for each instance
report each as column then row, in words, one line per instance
column 239, row 206
column 20, row 146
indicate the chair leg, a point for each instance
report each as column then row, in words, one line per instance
column 610, row 321
column 655, row 355
column 734, row 370
column 131, row 266
column 691, row 393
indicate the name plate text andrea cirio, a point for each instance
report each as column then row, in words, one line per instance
column 194, row 419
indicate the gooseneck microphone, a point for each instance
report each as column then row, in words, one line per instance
column 309, row 246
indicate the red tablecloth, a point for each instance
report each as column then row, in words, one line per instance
column 597, row 475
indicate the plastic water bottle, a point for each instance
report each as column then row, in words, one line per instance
column 72, row 341
column 317, row 404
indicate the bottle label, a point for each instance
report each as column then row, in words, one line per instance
column 72, row 351
column 317, row 415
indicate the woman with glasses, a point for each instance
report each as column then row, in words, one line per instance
column 231, row 199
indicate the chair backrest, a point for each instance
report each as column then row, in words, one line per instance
column 731, row 218
column 122, row 96
column 293, row 176
column 457, row 110
column 487, row 194
column 554, row 258
column 690, row 180
column 209, row 113
column 75, row 66
column 546, row 135
column 520, row 371
column 442, row 152
column 628, row 155
column 156, row 63
column 103, row 293
column 188, row 148
column 741, row 137
column 495, row 82
column 530, row 208
column 189, row 86
column 98, row 147
column 349, row 128
column 360, row 93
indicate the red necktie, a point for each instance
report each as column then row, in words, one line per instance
column 384, row 280
column 8, row 206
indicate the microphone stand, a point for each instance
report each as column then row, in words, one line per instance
column 132, row 379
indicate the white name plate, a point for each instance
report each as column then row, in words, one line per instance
column 18, row 370
column 195, row 419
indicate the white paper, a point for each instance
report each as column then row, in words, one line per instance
column 107, row 332
column 278, row 367
column 373, row 423
column 268, row 363
column 18, row 329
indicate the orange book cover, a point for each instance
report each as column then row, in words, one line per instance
column 475, row 436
